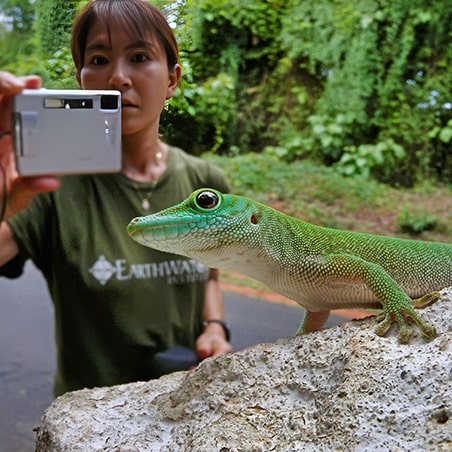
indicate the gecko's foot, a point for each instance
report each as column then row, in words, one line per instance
column 426, row 300
column 401, row 315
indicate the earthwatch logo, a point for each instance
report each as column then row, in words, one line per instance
column 177, row 271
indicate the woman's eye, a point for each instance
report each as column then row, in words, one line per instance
column 99, row 60
column 140, row 58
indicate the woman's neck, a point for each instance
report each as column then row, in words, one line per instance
column 144, row 161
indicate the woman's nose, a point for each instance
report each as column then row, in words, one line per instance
column 119, row 77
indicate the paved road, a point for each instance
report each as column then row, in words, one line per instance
column 27, row 350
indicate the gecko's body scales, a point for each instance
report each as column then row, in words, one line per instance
column 320, row 268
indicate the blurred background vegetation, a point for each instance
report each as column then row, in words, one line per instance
column 353, row 93
column 363, row 86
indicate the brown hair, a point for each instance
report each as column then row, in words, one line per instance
column 136, row 17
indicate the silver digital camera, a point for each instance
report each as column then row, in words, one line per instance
column 67, row 131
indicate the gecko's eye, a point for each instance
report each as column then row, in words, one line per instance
column 207, row 200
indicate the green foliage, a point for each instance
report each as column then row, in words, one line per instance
column 59, row 70
column 225, row 43
column 18, row 15
column 377, row 63
column 36, row 40
column 16, row 34
column 328, row 134
column 444, row 134
column 211, row 112
column 54, row 24
column 367, row 159
column 364, row 87
column 264, row 176
column 215, row 100
column 336, row 81
column 416, row 224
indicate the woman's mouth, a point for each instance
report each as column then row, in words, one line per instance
column 126, row 105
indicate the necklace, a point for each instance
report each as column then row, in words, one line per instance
column 146, row 199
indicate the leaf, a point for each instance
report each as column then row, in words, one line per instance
column 318, row 129
column 445, row 134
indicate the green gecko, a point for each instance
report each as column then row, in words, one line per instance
column 320, row 268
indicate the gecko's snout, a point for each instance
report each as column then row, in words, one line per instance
column 133, row 226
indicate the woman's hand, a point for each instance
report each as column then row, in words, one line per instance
column 19, row 190
column 212, row 342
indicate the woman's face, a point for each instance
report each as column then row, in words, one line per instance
column 138, row 69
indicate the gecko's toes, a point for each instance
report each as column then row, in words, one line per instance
column 405, row 334
column 426, row 300
column 428, row 331
column 404, row 314
column 384, row 323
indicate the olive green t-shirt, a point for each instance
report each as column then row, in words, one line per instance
column 116, row 302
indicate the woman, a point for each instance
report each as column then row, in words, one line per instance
column 117, row 303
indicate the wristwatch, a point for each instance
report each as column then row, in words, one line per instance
column 225, row 326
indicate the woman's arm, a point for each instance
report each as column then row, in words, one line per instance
column 8, row 246
column 213, row 341
column 19, row 190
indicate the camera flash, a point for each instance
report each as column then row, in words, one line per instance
column 53, row 102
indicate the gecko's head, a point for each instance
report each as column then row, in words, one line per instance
column 208, row 226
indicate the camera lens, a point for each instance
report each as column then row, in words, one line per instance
column 109, row 102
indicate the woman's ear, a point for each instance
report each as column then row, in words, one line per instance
column 173, row 80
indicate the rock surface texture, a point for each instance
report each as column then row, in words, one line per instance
column 341, row 389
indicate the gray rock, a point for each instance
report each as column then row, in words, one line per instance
column 341, row 389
